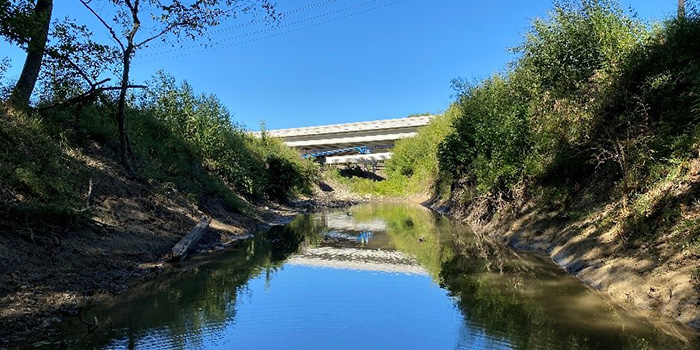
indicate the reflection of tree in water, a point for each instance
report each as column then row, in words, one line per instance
column 505, row 298
column 413, row 230
column 516, row 298
column 527, row 302
column 202, row 299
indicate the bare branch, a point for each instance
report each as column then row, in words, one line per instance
column 134, row 9
column 94, row 91
column 55, row 54
column 111, row 30
column 161, row 33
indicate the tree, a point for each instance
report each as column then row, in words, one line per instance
column 176, row 19
column 32, row 29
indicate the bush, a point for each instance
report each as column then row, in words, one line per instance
column 255, row 168
column 491, row 137
column 593, row 93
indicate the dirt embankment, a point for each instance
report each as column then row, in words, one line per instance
column 657, row 274
column 48, row 272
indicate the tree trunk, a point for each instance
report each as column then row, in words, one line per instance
column 681, row 9
column 35, row 54
column 121, row 110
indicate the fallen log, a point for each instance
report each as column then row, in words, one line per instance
column 183, row 247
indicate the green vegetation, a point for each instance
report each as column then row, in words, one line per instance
column 598, row 106
column 414, row 166
column 180, row 142
column 36, row 174
column 254, row 167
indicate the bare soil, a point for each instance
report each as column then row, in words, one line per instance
column 48, row 273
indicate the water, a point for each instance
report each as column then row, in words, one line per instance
column 379, row 276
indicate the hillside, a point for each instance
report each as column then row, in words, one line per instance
column 585, row 148
column 77, row 225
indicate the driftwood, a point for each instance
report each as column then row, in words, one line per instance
column 183, row 247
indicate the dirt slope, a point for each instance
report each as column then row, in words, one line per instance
column 48, row 272
column 658, row 274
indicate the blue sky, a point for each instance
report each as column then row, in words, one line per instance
column 330, row 64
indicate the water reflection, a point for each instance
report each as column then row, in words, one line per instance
column 373, row 276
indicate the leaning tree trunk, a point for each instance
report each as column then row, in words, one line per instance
column 35, row 54
column 121, row 110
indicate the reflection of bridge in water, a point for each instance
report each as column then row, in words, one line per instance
column 358, row 259
column 343, row 222
column 355, row 244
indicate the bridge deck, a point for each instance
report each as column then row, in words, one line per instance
column 351, row 127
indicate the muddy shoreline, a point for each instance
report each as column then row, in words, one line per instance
column 663, row 295
column 32, row 307
column 45, row 291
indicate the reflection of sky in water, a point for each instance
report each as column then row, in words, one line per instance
column 311, row 285
column 341, row 309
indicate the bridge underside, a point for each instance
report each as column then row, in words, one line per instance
column 333, row 144
column 333, row 141
column 362, row 159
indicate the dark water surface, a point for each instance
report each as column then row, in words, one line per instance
column 379, row 276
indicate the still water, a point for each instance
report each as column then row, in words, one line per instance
column 376, row 276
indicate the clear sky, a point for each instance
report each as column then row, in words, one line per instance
column 346, row 60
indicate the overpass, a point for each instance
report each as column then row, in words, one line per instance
column 341, row 143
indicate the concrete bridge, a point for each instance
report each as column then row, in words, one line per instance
column 340, row 143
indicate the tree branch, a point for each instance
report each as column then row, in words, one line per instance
column 94, row 91
column 55, row 54
column 111, row 31
column 161, row 33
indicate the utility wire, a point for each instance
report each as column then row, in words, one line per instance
column 253, row 22
column 261, row 31
column 217, row 45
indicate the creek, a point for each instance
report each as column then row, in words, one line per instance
column 372, row 276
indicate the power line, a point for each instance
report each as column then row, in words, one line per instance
column 248, row 24
column 218, row 45
column 261, row 31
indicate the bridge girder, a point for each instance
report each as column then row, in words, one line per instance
column 377, row 133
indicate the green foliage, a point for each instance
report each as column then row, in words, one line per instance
column 541, row 116
column 17, row 22
column 395, row 186
column 253, row 167
column 593, row 90
column 491, row 137
column 417, row 156
column 38, row 177
column 580, row 40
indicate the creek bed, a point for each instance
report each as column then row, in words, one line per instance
column 373, row 276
